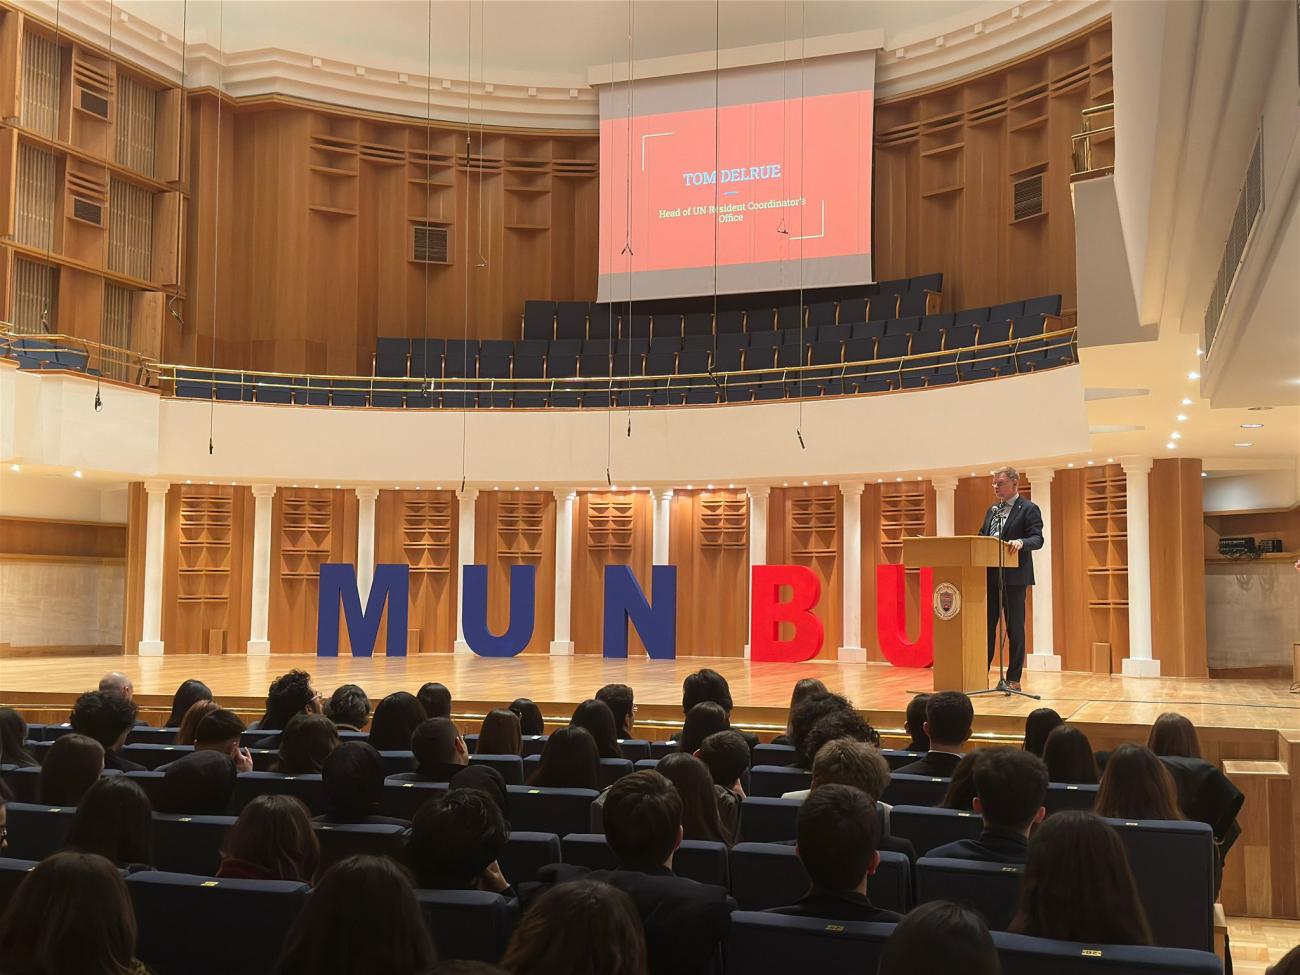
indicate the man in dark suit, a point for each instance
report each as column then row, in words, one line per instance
column 1019, row 523
column 1010, row 785
column 838, row 833
column 685, row 922
column 948, row 719
column 440, row 752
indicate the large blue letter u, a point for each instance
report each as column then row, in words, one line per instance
column 523, row 593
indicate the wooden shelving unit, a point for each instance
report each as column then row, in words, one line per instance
column 814, row 522
column 723, row 523
column 609, row 524
column 205, row 545
column 521, row 522
column 426, row 535
column 1105, row 524
column 902, row 515
column 306, row 535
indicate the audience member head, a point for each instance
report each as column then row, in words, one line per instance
column 623, row 706
column 706, row 718
column 1173, row 736
column 705, row 685
column 104, row 716
column 840, row 724
column 349, row 708
column 72, row 913
column 961, row 787
column 844, row 761
column 726, row 753
column 1010, row 786
column 454, row 839
column 187, row 695
column 802, row 689
column 486, row 780
column 435, row 699
column 1078, row 885
column 361, row 918
column 353, row 780
column 1040, row 723
column 305, row 743
column 914, row 723
column 274, row 832
column 940, row 937
column 602, row 933
column 810, row 710
column 499, row 733
column 395, row 720
column 694, row 784
column 190, row 723
column 437, row 742
column 530, row 716
column 1288, row 964
column 597, row 718
column 1068, row 756
column 289, row 694
column 838, row 838
column 13, row 739
column 569, row 761
column 1137, row 785
column 643, row 820
column 118, row 683
column 115, row 820
column 200, row 783
column 71, row 766
column 948, row 719
column 219, row 731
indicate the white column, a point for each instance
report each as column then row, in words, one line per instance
column 945, row 499
column 365, row 540
column 662, row 502
column 464, row 556
column 757, row 545
column 1139, row 662
column 562, row 645
column 260, row 607
column 1043, row 657
column 155, row 528
column 851, row 649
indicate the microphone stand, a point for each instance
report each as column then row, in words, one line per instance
column 1001, row 639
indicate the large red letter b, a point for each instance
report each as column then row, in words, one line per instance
column 768, row 613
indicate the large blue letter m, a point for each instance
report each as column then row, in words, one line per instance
column 338, row 585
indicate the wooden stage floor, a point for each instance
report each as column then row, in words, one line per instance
column 761, row 690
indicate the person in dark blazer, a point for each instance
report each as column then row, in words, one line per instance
column 439, row 750
column 685, row 922
column 838, row 836
column 949, row 716
column 1019, row 523
column 1010, row 786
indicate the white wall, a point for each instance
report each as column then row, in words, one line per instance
column 1255, row 491
column 59, row 496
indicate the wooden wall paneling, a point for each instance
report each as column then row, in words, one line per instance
column 1105, row 561
column 133, row 601
column 805, row 527
column 419, row 528
column 207, row 568
column 49, row 536
column 709, row 544
column 518, row 528
column 309, row 526
column 1069, row 610
column 11, row 61
column 1178, row 568
column 871, row 558
column 1283, row 525
column 9, row 188
column 611, row 528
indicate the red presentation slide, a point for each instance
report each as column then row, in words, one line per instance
column 792, row 179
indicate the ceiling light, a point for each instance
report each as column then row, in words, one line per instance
column 824, row 483
column 1089, row 463
column 710, row 487
column 1182, row 417
column 731, row 486
column 78, row 474
column 1244, row 444
column 1251, row 426
column 535, row 487
column 189, row 482
column 1110, row 460
column 1203, row 474
column 1175, row 436
column 15, row 468
column 1171, row 445
column 880, row 480
column 1200, row 352
column 805, row 483
column 918, row 477
column 339, row 487
column 688, row 487
column 1071, row 464
column 314, row 485
column 1193, row 375
column 1186, row 401
column 898, row 479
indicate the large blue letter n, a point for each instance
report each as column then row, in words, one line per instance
column 624, row 601
column 338, row 584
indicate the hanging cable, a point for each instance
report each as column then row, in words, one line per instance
column 104, row 251
column 803, row 115
column 426, row 387
column 482, row 38
column 49, row 227
column 216, row 223
column 468, row 388
column 631, row 99
column 173, row 301
column 717, row 168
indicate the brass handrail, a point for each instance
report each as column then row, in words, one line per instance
column 125, row 365
column 1081, row 142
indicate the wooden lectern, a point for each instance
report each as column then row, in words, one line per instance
column 960, row 564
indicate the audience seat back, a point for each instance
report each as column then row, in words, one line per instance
column 992, row 889
column 778, row 755
column 527, row 852
column 1061, row 795
column 510, row 766
column 559, row 811
column 634, row 749
column 24, row 783
column 12, row 873
column 766, row 875
column 928, row 827
column 915, row 790
column 152, row 755
column 189, row 844
column 766, row 820
column 36, row 831
column 532, row 744
column 468, row 924
column 398, row 761
column 341, row 840
column 1173, row 864
column 613, row 769
column 1022, row 955
column 897, row 759
column 308, row 788
column 775, row 781
column 775, row 943
column 148, row 736
column 658, row 749
column 402, row 798
column 200, row 926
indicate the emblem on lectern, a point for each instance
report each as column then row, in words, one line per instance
column 947, row 601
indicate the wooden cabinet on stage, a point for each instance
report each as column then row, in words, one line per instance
column 804, row 526
column 890, row 513
column 611, row 528
column 709, row 544
column 418, row 528
column 309, row 526
column 518, row 528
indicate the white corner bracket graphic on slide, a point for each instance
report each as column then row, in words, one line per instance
column 820, row 233
column 650, row 135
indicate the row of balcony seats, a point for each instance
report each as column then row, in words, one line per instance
column 38, row 353
column 546, row 320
